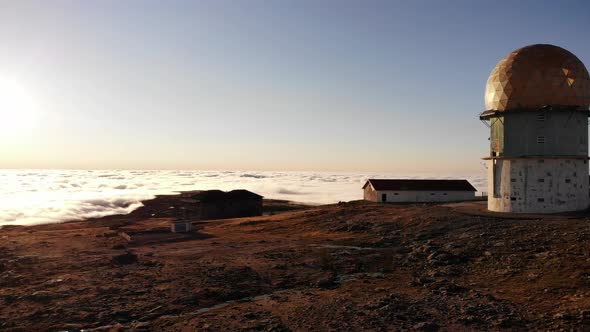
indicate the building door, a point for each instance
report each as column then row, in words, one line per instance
column 497, row 178
column 383, row 197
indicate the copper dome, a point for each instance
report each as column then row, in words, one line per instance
column 538, row 75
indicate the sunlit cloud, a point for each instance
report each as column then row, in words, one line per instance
column 49, row 196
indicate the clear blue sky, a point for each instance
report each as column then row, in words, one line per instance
column 279, row 85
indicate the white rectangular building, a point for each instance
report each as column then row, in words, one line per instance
column 415, row 191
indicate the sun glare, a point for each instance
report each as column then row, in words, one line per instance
column 18, row 111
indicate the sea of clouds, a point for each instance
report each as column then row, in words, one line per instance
column 29, row 197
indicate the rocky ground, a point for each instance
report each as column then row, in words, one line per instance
column 348, row 266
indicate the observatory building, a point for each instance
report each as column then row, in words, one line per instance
column 537, row 103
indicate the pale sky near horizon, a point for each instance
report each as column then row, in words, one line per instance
column 393, row 86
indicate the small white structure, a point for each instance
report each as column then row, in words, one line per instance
column 407, row 191
column 181, row 227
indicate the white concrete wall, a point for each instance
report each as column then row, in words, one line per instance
column 369, row 193
column 418, row 196
column 538, row 185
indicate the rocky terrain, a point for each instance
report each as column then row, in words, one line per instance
column 348, row 266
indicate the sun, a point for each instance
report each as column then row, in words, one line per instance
column 18, row 111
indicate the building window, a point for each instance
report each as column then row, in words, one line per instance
column 431, row 194
column 396, row 194
column 383, row 197
column 512, row 198
column 541, row 117
column 541, row 180
column 512, row 180
column 568, row 180
column 540, row 200
column 541, row 139
column 445, row 194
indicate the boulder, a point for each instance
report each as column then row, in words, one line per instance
column 125, row 259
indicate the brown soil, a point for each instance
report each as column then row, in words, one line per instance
column 350, row 266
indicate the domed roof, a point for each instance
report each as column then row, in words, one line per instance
column 538, row 75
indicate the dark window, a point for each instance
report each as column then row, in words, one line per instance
column 512, row 180
column 568, row 180
column 540, row 200
column 541, row 117
column 396, row 194
column 512, row 198
column 541, row 139
column 541, row 180
column 383, row 197
column 431, row 194
column 445, row 194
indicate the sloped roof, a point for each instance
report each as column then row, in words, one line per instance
column 419, row 185
column 215, row 195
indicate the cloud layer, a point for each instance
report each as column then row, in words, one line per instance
column 30, row 197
